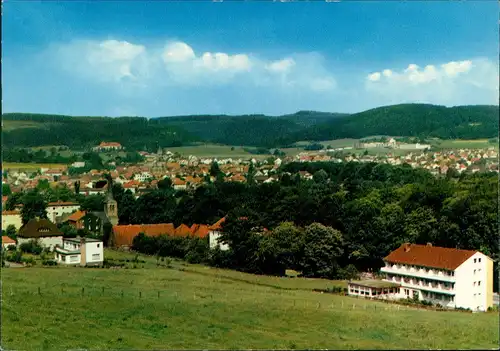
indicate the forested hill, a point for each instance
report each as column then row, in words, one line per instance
column 461, row 122
column 464, row 122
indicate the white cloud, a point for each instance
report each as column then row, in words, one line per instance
column 177, row 52
column 178, row 64
column 323, row 84
column 374, row 77
column 106, row 61
column 446, row 83
column 281, row 66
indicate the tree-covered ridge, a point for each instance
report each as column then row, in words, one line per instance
column 422, row 120
column 461, row 122
column 84, row 132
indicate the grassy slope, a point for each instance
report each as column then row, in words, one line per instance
column 208, row 308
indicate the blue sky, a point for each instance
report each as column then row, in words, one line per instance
column 172, row 58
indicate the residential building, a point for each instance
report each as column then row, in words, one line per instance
column 56, row 211
column 11, row 218
column 108, row 146
column 450, row 277
column 42, row 230
column 82, row 251
column 76, row 219
column 6, row 242
column 214, row 235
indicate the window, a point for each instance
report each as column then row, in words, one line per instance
column 96, row 257
column 474, row 284
column 98, row 245
column 73, row 258
column 475, row 260
column 479, row 283
column 479, row 260
column 474, row 271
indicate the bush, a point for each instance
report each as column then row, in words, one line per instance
column 32, row 247
column 16, row 256
column 49, row 263
column 29, row 261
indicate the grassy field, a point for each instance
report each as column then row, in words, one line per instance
column 199, row 307
column 463, row 144
column 29, row 166
column 212, row 150
column 11, row 125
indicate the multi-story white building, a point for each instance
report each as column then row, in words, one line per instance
column 57, row 210
column 450, row 277
column 82, row 251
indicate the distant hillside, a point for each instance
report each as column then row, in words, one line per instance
column 249, row 130
column 29, row 130
column 462, row 122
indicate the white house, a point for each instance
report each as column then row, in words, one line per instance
column 42, row 230
column 450, row 277
column 143, row 176
column 82, row 251
column 11, row 218
column 57, row 210
column 214, row 235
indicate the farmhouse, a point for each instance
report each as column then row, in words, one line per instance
column 11, row 218
column 82, row 251
column 42, row 230
column 76, row 219
column 107, row 146
column 450, row 277
column 56, row 211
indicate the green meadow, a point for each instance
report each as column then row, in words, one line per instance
column 174, row 305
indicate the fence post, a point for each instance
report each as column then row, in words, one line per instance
column 140, row 294
column 103, row 289
column 353, row 306
column 39, row 293
column 83, row 291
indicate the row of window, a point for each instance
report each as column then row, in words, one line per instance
column 477, row 260
column 422, row 281
column 425, row 269
column 478, row 283
column 375, row 292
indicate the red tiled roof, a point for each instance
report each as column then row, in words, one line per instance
column 109, row 144
column 7, row 240
column 217, row 225
column 429, row 256
column 200, row 230
column 125, row 234
column 183, row 230
column 75, row 217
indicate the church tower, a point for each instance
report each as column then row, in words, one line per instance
column 111, row 206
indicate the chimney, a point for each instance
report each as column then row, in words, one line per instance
column 406, row 247
column 429, row 244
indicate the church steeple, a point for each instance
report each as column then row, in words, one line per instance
column 110, row 205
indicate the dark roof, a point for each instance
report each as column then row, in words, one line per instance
column 39, row 228
column 429, row 256
column 101, row 215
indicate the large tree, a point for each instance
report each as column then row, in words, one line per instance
column 34, row 205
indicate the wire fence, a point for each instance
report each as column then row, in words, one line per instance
column 283, row 302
